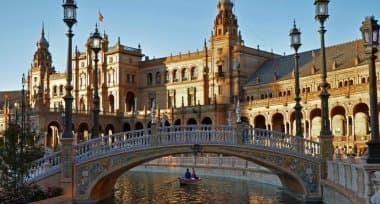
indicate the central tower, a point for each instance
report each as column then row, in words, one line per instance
column 223, row 39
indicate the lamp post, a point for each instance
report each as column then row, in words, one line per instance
column 23, row 105
column 321, row 14
column 370, row 33
column 67, row 152
column 96, row 40
column 295, row 43
column 70, row 19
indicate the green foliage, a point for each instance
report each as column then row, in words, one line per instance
column 17, row 151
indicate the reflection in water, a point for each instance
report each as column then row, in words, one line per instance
column 143, row 187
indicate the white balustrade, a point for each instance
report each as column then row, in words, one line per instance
column 187, row 134
column 112, row 143
column 44, row 166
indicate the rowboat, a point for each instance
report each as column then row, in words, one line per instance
column 191, row 181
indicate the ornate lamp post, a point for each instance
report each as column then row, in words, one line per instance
column 370, row 32
column 295, row 43
column 70, row 19
column 321, row 14
column 23, row 105
column 67, row 152
column 96, row 46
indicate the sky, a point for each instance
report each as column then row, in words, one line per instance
column 166, row 26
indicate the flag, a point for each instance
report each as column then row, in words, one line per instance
column 100, row 16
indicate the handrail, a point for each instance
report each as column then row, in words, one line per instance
column 44, row 166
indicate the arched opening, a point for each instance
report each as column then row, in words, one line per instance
column 260, row 122
column 103, row 184
column 177, row 122
column 111, row 102
column 206, row 121
column 361, row 127
column 338, row 123
column 130, row 102
column 83, row 132
column 126, row 127
column 139, row 126
column 52, row 137
column 316, row 123
column 278, row 122
column 109, row 130
column 293, row 123
column 192, row 121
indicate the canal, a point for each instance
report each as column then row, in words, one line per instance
column 152, row 187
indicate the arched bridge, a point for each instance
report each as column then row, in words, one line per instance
column 99, row 162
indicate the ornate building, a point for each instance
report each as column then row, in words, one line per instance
column 203, row 87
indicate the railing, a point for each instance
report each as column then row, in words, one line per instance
column 200, row 134
column 280, row 141
column 177, row 135
column 111, row 144
column 45, row 166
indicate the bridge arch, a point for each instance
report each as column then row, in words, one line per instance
column 278, row 122
column 103, row 173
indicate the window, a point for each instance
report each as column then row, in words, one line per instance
column 61, row 90
column 191, row 96
column 54, row 90
column 128, row 78
column 158, row 77
column 184, row 74
column 133, row 78
column 149, row 79
column 175, row 75
column 167, row 76
column 194, row 74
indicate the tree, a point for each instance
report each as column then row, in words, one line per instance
column 17, row 150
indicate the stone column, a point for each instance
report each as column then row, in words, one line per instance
column 67, row 158
column 154, row 134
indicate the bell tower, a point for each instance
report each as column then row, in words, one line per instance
column 223, row 39
column 41, row 68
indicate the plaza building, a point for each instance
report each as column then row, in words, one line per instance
column 204, row 86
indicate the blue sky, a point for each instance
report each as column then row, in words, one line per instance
column 166, row 26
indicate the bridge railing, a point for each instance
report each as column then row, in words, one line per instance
column 200, row 134
column 44, row 166
column 112, row 143
column 280, row 141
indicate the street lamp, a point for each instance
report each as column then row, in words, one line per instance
column 370, row 33
column 23, row 82
column 96, row 40
column 69, row 8
column 321, row 14
column 295, row 43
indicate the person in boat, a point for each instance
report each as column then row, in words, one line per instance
column 187, row 174
column 193, row 175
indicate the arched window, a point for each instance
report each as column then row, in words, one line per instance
column 149, row 79
column 54, row 90
column 194, row 74
column 167, row 77
column 61, row 90
column 158, row 77
column 184, row 74
column 175, row 75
